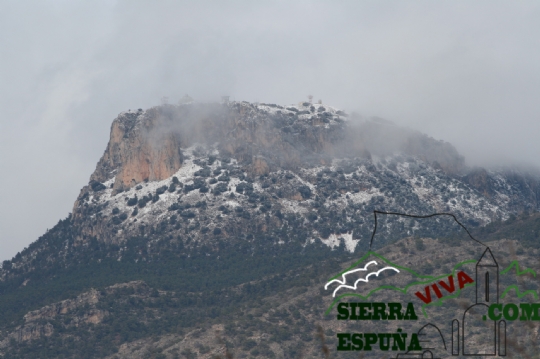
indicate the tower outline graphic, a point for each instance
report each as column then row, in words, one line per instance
column 487, row 293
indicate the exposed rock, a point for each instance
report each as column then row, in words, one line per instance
column 260, row 167
column 479, row 179
column 439, row 152
column 81, row 310
column 147, row 146
column 139, row 150
column 30, row 332
column 63, row 307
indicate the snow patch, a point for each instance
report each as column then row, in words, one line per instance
column 334, row 240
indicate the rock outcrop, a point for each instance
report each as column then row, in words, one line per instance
column 139, row 151
column 83, row 309
column 147, row 146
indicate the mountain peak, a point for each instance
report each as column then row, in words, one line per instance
column 204, row 169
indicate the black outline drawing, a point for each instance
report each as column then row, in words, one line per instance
column 415, row 216
column 502, row 338
column 487, row 279
column 440, row 334
column 455, row 337
column 425, row 350
column 483, row 299
column 458, row 346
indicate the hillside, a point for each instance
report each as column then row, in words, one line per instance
column 280, row 315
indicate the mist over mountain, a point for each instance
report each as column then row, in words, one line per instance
column 204, row 173
column 199, row 204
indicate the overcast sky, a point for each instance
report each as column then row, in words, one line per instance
column 466, row 72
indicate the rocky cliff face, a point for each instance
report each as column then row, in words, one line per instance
column 138, row 151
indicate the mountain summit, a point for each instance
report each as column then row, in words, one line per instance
column 205, row 171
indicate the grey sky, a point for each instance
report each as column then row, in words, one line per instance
column 462, row 71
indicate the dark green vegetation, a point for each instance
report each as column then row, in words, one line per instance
column 201, row 286
column 525, row 228
column 134, row 316
column 186, row 295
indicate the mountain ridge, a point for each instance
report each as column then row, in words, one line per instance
column 199, row 189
